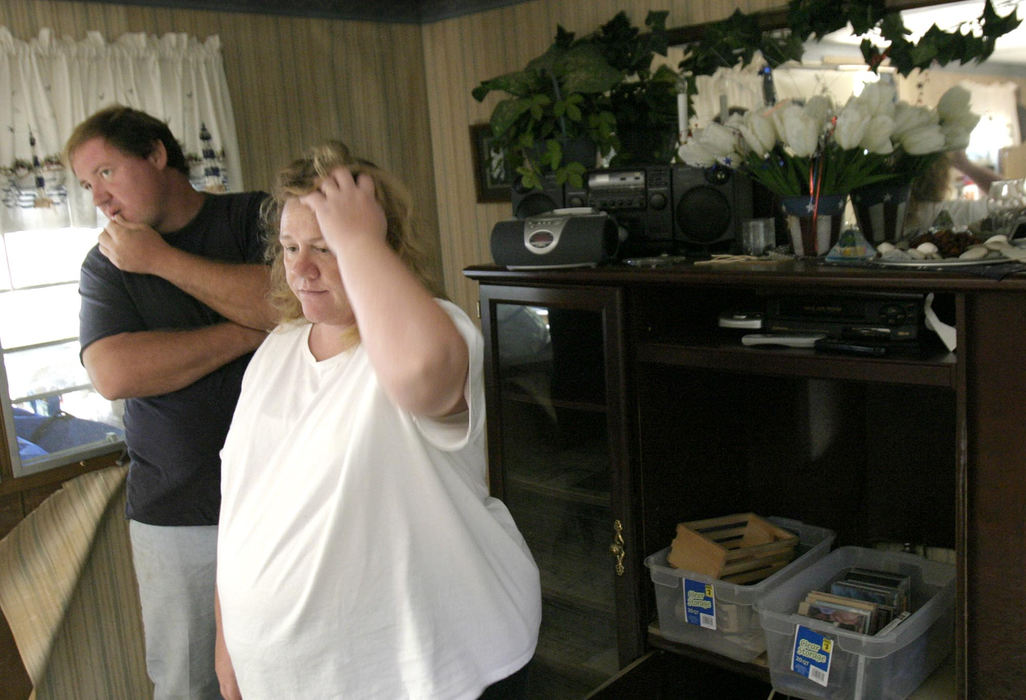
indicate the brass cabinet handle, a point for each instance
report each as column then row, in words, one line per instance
column 617, row 547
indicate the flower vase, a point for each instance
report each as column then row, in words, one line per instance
column 880, row 210
column 814, row 225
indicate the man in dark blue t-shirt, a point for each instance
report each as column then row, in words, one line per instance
column 173, row 304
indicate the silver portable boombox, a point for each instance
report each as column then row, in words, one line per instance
column 577, row 237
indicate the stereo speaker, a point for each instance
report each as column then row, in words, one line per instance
column 531, row 202
column 640, row 200
column 709, row 205
column 555, row 240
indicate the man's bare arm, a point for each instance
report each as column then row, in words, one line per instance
column 237, row 291
column 148, row 363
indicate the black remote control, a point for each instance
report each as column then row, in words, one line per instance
column 848, row 347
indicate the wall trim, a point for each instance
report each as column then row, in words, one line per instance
column 390, row 11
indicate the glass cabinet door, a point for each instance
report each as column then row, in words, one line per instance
column 556, row 454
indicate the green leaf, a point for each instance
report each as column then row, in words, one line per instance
column 573, row 111
column 548, row 61
column 563, row 37
column 583, row 69
column 995, row 26
column 923, row 53
column 778, row 49
column 574, row 173
column 553, row 154
column 519, row 83
column 863, row 19
column 507, row 112
column 893, row 28
column 665, row 74
column 529, row 178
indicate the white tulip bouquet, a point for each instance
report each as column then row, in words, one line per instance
column 813, row 148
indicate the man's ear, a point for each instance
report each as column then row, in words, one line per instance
column 158, row 156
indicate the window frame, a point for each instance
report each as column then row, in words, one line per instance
column 12, row 465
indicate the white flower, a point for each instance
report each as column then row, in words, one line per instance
column 956, row 136
column 954, row 104
column 715, row 143
column 851, row 125
column 758, row 132
column 957, row 120
column 735, row 120
column 696, row 154
column 967, row 121
column 878, row 98
column 722, row 141
column 869, row 126
column 924, row 139
column 797, row 130
column 909, row 118
column 877, row 138
column 820, row 109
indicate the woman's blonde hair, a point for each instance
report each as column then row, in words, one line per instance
column 930, row 186
column 303, row 176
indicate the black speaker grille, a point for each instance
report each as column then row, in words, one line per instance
column 531, row 202
column 703, row 214
column 534, row 203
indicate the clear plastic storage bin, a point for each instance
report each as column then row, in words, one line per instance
column 886, row 666
column 738, row 634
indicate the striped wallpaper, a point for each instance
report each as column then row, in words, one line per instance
column 400, row 93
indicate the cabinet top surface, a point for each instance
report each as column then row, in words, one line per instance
column 784, row 273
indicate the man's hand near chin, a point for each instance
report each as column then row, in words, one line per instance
column 132, row 247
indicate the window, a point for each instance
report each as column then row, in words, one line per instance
column 51, row 414
column 49, row 403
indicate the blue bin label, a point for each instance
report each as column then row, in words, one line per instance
column 699, row 604
column 812, row 654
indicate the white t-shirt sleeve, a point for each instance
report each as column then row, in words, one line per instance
column 453, row 432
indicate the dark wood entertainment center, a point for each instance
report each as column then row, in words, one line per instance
column 641, row 412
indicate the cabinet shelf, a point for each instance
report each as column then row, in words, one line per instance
column 940, row 685
column 582, row 580
column 578, row 643
column 535, row 388
column 535, row 400
column 571, row 548
column 555, row 453
column 580, row 598
column 935, row 369
column 758, row 668
column 558, row 488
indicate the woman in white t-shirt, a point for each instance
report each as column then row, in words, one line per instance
column 359, row 553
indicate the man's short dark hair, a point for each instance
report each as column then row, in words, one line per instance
column 130, row 131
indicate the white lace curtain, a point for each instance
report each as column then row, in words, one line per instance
column 49, row 84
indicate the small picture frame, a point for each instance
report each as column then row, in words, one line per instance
column 492, row 173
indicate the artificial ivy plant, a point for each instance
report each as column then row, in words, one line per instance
column 972, row 41
column 644, row 103
column 600, row 88
column 735, row 40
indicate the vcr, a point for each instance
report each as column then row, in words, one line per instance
column 868, row 316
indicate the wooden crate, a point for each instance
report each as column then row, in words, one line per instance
column 740, row 548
